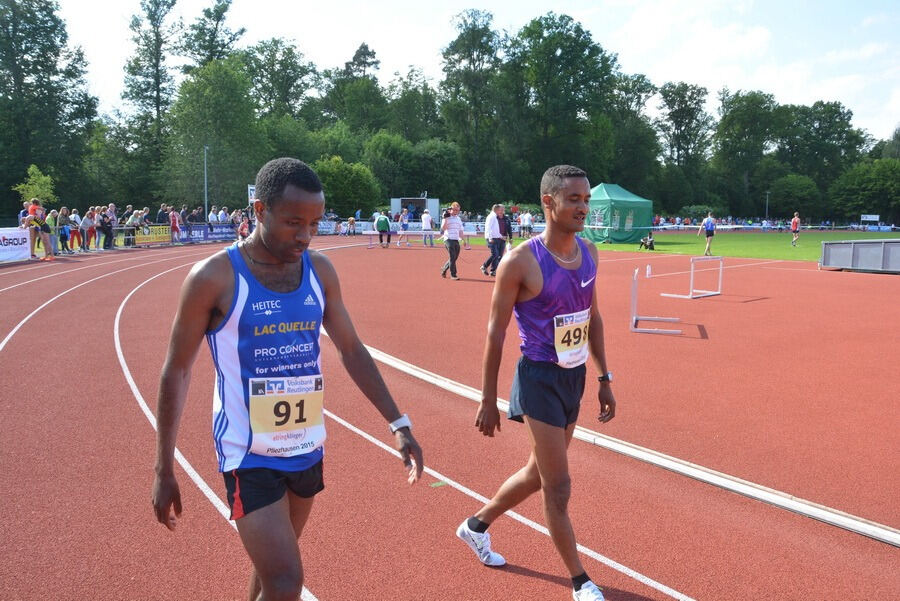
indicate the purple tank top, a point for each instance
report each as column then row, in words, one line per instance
column 554, row 324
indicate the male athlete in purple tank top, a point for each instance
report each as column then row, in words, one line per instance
column 549, row 283
column 261, row 304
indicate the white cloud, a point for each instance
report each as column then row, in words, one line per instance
column 862, row 53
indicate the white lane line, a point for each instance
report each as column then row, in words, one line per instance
column 51, row 275
column 63, row 293
column 198, row 480
column 520, row 518
column 835, row 517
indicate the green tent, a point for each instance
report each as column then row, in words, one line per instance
column 619, row 215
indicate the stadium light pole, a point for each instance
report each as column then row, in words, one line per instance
column 205, row 196
column 767, row 204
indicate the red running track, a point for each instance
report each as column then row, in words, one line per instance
column 754, row 389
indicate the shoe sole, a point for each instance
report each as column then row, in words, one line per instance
column 461, row 535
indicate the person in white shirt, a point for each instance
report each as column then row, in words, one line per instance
column 223, row 215
column 526, row 223
column 452, row 231
column 213, row 216
column 427, row 226
column 494, row 240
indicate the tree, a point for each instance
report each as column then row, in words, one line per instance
column 818, row 141
column 149, row 87
column 148, row 83
column 46, row 112
column 468, row 105
column 389, row 156
column 208, row 39
column 339, row 140
column 354, row 96
column 891, row 149
column 348, row 186
column 289, row 137
column 439, row 167
column 868, row 187
column 413, row 107
column 362, row 62
column 745, row 131
column 214, row 109
column 685, row 126
column 36, row 185
column 281, row 77
column 796, row 193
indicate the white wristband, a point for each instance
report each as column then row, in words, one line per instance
column 400, row 422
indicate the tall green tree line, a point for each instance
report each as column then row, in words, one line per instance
column 508, row 105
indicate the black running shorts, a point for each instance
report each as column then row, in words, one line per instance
column 546, row 392
column 254, row 488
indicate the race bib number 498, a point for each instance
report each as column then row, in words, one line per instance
column 570, row 333
column 284, row 413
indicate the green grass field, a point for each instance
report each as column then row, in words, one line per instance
column 755, row 245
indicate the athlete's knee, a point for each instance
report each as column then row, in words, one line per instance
column 283, row 586
column 557, row 492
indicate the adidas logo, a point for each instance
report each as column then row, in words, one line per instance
column 309, row 300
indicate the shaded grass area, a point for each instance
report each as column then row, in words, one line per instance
column 753, row 245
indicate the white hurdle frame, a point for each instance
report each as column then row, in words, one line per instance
column 636, row 318
column 695, row 293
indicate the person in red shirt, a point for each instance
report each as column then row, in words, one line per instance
column 795, row 228
column 174, row 224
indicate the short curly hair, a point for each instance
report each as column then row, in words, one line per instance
column 554, row 178
column 275, row 175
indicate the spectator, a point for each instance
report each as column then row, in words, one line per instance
column 383, row 226
column 75, row 231
column 63, row 229
column 452, row 231
column 88, row 229
column 162, row 216
column 213, row 216
column 223, row 215
column 427, row 226
column 54, row 232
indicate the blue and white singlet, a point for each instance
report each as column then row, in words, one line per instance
column 267, row 404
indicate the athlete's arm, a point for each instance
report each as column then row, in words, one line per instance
column 598, row 351
column 200, row 297
column 506, row 291
column 359, row 364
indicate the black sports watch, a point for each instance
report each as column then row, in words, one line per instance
column 607, row 377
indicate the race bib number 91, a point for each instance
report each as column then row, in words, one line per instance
column 286, row 415
column 570, row 333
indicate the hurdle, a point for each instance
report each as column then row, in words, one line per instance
column 635, row 318
column 694, row 292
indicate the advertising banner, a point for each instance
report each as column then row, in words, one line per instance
column 153, row 234
column 14, row 245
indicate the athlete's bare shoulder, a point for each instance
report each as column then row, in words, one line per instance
column 592, row 249
column 212, row 270
column 324, row 268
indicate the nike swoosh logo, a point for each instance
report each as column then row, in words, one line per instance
column 583, row 283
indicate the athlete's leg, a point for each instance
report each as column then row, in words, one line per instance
column 270, row 537
column 550, row 446
column 516, row 489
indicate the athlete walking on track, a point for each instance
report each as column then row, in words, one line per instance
column 548, row 282
column 260, row 305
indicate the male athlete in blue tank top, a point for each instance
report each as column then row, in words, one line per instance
column 548, row 283
column 260, row 305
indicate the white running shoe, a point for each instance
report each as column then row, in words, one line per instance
column 588, row 592
column 481, row 544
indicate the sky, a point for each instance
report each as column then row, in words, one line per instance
column 798, row 51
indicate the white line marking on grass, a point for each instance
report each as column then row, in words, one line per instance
column 752, row 490
column 220, row 505
column 520, row 518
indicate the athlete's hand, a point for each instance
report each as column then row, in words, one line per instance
column 410, row 453
column 607, row 403
column 487, row 418
column 166, row 495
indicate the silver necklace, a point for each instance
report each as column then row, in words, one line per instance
column 252, row 260
column 556, row 256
